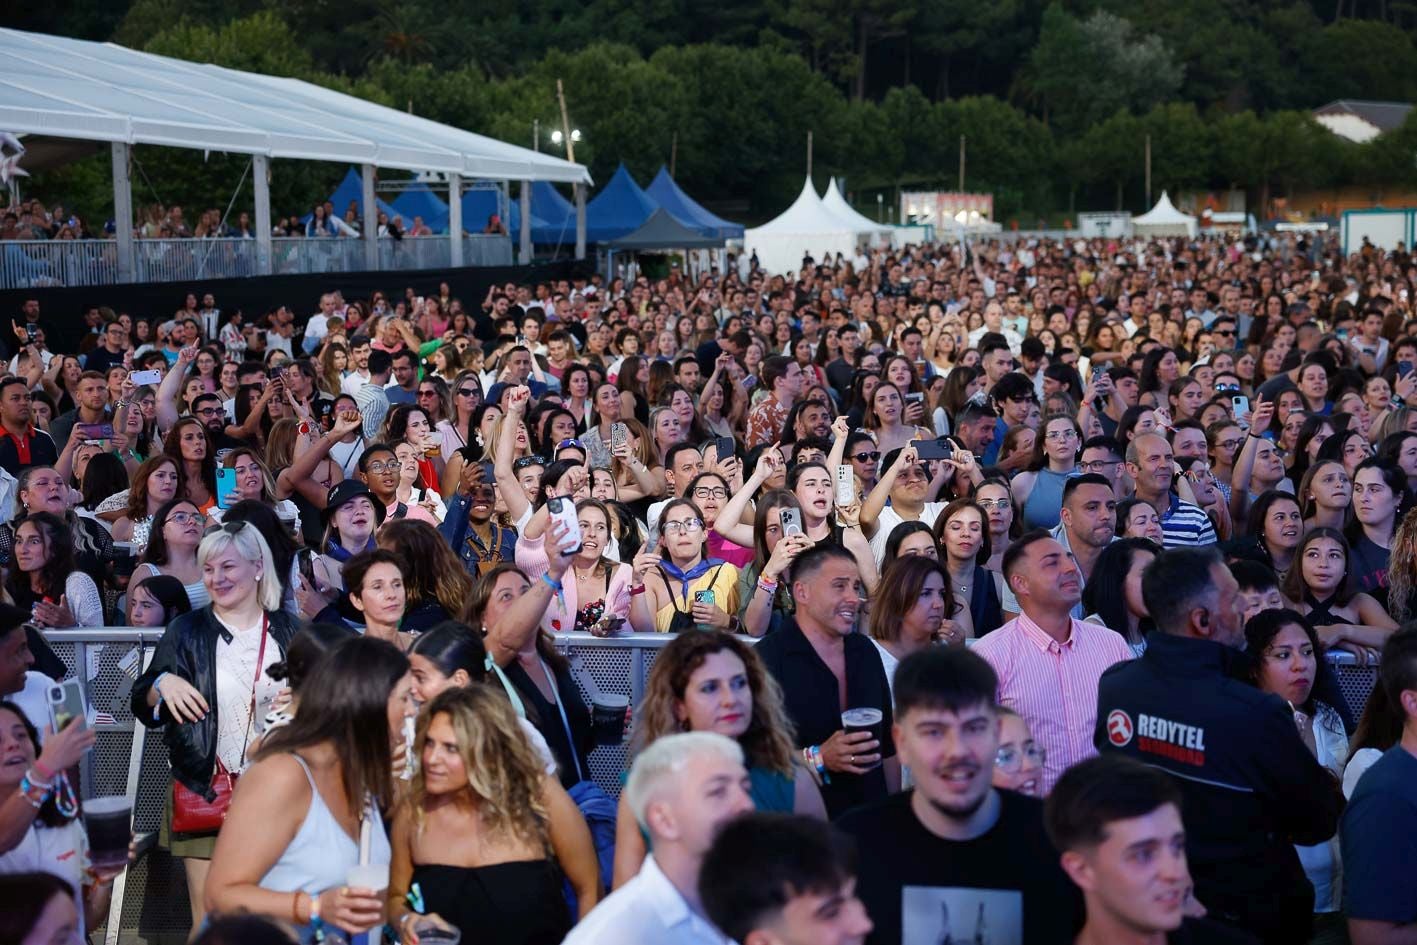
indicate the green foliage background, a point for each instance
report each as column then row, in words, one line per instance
column 1055, row 99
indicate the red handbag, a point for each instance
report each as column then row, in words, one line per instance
column 192, row 812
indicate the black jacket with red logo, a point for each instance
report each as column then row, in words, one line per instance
column 1250, row 788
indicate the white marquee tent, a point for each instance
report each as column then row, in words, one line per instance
column 806, row 227
column 1165, row 220
column 835, row 203
column 52, row 87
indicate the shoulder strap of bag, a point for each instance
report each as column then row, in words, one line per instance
column 565, row 722
column 256, row 681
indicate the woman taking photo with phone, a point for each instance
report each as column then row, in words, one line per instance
column 597, row 598
column 207, row 686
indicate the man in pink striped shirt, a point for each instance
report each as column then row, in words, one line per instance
column 1047, row 662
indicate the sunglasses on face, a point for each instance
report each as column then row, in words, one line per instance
column 868, row 456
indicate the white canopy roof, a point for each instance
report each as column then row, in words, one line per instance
column 837, row 205
column 805, row 227
column 69, row 88
column 1165, row 220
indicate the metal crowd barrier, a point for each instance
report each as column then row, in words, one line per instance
column 150, row 900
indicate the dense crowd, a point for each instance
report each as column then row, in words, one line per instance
column 1020, row 564
column 31, row 220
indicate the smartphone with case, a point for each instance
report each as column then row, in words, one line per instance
column 845, row 485
column 933, row 449
column 1241, row 403
column 66, row 704
column 726, row 447
column 145, row 378
column 791, row 521
column 563, row 510
column 225, row 487
column 619, row 435
column 94, row 431
column 705, row 597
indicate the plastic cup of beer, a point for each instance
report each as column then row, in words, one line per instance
column 108, row 821
column 864, row 720
column 374, row 876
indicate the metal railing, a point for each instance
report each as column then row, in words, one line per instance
column 150, row 899
column 35, row 264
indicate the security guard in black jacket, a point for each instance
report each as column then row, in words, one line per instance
column 1251, row 788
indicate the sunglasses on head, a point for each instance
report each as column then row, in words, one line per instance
column 523, row 462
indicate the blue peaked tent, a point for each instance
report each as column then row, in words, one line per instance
column 553, row 217
column 665, row 192
column 352, row 188
column 618, row 210
column 419, row 200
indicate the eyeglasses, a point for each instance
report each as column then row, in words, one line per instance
column 1228, row 333
column 705, row 492
column 1098, row 465
column 524, row 461
column 1059, row 436
column 1011, row 759
column 1228, row 445
column 392, row 465
column 687, row 526
column 186, row 518
column 989, row 505
column 210, row 412
column 869, row 456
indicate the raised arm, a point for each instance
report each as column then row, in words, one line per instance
column 1245, row 463
column 512, row 492
column 522, row 621
column 302, row 470
column 171, row 386
column 876, row 501
column 730, row 524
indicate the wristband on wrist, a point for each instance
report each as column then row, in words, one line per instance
column 767, row 586
column 157, row 684
column 43, row 770
column 635, row 591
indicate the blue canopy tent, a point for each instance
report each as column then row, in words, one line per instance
column 618, row 210
column 665, row 192
column 553, row 217
column 419, row 200
column 352, row 188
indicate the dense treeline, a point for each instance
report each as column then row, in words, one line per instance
column 1055, row 101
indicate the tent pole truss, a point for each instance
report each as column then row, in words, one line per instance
column 580, row 221
column 455, row 219
column 123, row 210
column 525, row 238
column 261, row 180
column 371, row 219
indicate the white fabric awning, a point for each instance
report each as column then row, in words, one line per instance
column 70, row 88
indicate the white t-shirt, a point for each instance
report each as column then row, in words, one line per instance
column 61, row 851
column 32, row 700
column 890, row 518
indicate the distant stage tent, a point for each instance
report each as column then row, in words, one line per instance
column 419, row 200
column 553, row 217
column 664, row 191
column 1164, row 220
column 351, row 190
column 805, row 228
column 662, row 232
column 836, row 204
column 618, row 210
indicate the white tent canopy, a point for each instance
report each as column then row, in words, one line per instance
column 806, row 227
column 1165, row 220
column 69, row 88
column 837, row 205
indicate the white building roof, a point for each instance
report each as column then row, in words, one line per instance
column 69, row 88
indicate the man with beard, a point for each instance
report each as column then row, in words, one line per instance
column 1088, row 524
column 825, row 668
column 956, row 859
column 21, row 445
column 208, row 409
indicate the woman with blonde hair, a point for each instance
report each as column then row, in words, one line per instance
column 715, row 682
column 481, row 834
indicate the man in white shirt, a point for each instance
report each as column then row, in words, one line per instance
column 682, row 790
column 358, row 374
column 994, row 322
column 318, row 325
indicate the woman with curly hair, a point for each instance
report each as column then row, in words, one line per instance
column 481, row 835
column 714, row 682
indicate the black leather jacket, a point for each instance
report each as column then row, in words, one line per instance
column 188, row 649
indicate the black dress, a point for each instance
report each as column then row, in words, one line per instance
column 571, row 750
column 517, row 903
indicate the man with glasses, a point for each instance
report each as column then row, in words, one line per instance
column 379, row 470
column 1102, row 456
column 1222, row 332
column 208, row 409
column 110, row 350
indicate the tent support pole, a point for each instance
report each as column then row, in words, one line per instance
column 525, row 237
column 580, row 221
column 455, row 219
column 261, row 178
column 123, row 211
column 371, row 218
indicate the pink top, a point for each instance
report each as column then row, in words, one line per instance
column 725, row 550
column 560, row 616
column 413, row 511
column 1053, row 686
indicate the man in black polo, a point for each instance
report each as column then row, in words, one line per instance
column 824, row 669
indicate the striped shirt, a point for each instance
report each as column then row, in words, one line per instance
column 1185, row 525
column 1053, row 686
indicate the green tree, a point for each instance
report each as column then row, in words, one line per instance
column 955, row 29
column 1182, row 148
